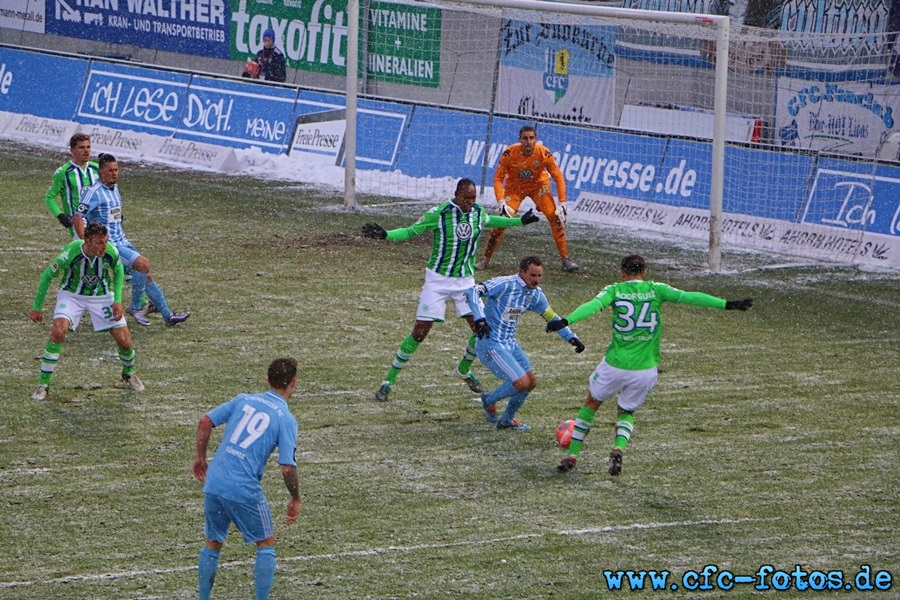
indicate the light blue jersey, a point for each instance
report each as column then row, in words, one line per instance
column 508, row 298
column 100, row 204
column 257, row 423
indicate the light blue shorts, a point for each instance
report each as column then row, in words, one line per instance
column 506, row 363
column 128, row 253
column 253, row 519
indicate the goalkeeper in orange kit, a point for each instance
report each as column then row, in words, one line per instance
column 524, row 171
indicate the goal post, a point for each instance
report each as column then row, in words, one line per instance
column 473, row 36
column 691, row 125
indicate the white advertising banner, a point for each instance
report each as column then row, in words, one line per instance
column 559, row 72
column 847, row 117
column 23, row 15
column 29, row 128
column 807, row 238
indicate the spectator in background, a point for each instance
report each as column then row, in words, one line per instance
column 272, row 66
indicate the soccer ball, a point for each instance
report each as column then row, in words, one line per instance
column 564, row 433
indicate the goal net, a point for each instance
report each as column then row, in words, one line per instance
column 668, row 122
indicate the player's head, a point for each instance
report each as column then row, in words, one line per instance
column 282, row 373
column 108, row 169
column 465, row 194
column 95, row 238
column 531, row 269
column 633, row 266
column 268, row 38
column 80, row 147
column 528, row 138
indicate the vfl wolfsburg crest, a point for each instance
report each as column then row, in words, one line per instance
column 556, row 73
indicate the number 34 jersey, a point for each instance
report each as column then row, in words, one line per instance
column 256, row 425
column 637, row 319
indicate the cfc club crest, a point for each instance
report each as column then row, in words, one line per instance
column 556, row 73
column 464, row 231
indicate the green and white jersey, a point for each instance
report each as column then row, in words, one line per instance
column 68, row 180
column 456, row 236
column 83, row 275
column 637, row 319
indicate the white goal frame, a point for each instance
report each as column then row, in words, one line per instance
column 721, row 24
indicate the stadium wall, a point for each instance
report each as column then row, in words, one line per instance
column 827, row 207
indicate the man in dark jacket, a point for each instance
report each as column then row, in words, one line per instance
column 271, row 61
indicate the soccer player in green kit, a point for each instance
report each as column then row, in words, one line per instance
column 91, row 281
column 456, row 225
column 629, row 367
column 69, row 179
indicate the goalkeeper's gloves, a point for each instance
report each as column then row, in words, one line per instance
column 529, row 217
column 504, row 210
column 482, row 329
column 563, row 213
column 557, row 324
column 374, row 230
column 579, row 347
column 739, row 304
column 64, row 220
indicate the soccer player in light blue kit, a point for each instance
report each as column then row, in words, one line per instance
column 102, row 203
column 496, row 322
column 255, row 425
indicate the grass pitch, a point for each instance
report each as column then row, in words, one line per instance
column 771, row 439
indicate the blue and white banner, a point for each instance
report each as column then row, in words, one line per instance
column 321, row 123
column 849, row 196
column 199, row 27
column 557, row 72
column 233, row 113
column 133, row 98
column 39, row 84
column 849, row 117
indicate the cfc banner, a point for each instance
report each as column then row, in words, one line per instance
column 560, row 72
column 843, row 116
column 198, row 27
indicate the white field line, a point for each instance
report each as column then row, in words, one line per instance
column 384, row 550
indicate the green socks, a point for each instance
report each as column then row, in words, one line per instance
column 624, row 429
column 582, row 426
column 49, row 361
column 465, row 365
column 404, row 353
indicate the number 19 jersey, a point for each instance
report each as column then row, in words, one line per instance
column 256, row 424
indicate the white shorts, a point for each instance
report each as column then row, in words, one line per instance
column 632, row 386
column 72, row 307
column 437, row 290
